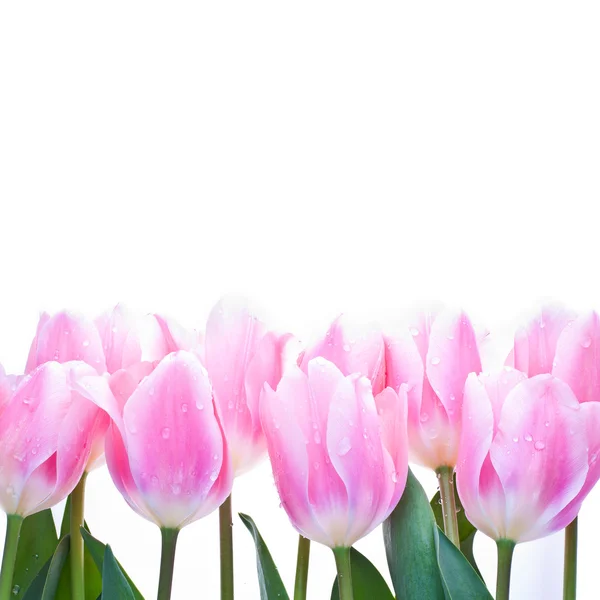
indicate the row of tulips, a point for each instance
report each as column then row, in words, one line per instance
column 178, row 415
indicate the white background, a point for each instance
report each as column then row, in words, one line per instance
column 316, row 156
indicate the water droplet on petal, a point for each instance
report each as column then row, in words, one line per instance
column 199, row 406
column 166, row 433
column 414, row 331
column 515, row 439
column 394, row 476
column 547, row 423
column 587, row 342
column 539, row 445
column 346, row 348
column 86, row 343
column 344, row 446
column 528, row 438
column 317, row 437
column 184, row 407
column 424, row 417
column 176, row 489
column 16, row 589
column 435, row 360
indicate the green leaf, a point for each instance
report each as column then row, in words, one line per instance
column 92, row 573
column 114, row 583
column 409, row 534
column 466, row 530
column 45, row 584
column 271, row 586
column 460, row 579
column 37, row 543
column 367, row 582
column 97, row 551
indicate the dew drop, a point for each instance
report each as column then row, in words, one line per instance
column 346, row 348
column 394, row 477
column 16, row 589
column 344, row 446
column 539, row 445
column 414, row 331
column 515, row 439
column 587, row 342
column 435, row 360
column 184, row 407
column 215, row 457
column 547, row 423
column 317, row 437
column 151, row 391
column 199, row 406
column 176, row 489
column 86, row 343
column 424, row 417
column 166, row 433
column 528, row 438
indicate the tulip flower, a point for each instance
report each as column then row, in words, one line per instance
column 166, row 449
column 48, row 429
column 527, row 452
column 434, row 363
column 339, row 467
column 240, row 356
column 352, row 350
column 558, row 341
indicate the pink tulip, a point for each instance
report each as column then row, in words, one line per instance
column 48, row 429
column 166, row 450
column 352, row 350
column 527, row 455
column 340, row 468
column 241, row 356
column 165, row 335
column 434, row 363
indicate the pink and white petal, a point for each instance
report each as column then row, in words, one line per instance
column 392, row 411
column 124, row 381
column 474, row 446
column 120, row 472
column 174, row 441
column 452, row 355
column 232, row 336
column 353, row 349
column 68, row 336
column 32, row 358
column 286, row 444
column 355, row 450
column 37, row 491
column 535, row 344
column 548, row 463
column 577, row 360
column 31, row 422
column 420, row 329
column 590, row 414
column 498, row 384
column 119, row 337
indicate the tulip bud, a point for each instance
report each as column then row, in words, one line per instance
column 49, row 429
column 338, row 468
column 166, row 450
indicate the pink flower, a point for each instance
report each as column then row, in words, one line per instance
column 352, row 350
column 241, row 356
column 165, row 335
column 166, row 450
column 48, row 429
column 527, row 455
column 340, row 468
column 434, row 364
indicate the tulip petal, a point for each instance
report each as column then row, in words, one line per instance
column 64, row 337
column 174, row 442
column 475, row 441
column 535, row 344
column 287, row 450
column 120, row 341
column 577, row 360
column 591, row 417
column 356, row 453
column 352, row 349
column 548, row 464
column 451, row 356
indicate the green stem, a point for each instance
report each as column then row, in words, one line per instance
column 226, row 539
column 302, row 568
column 167, row 562
column 76, row 547
column 342, row 562
column 505, row 554
column 13, row 530
column 570, row 575
column 448, row 497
